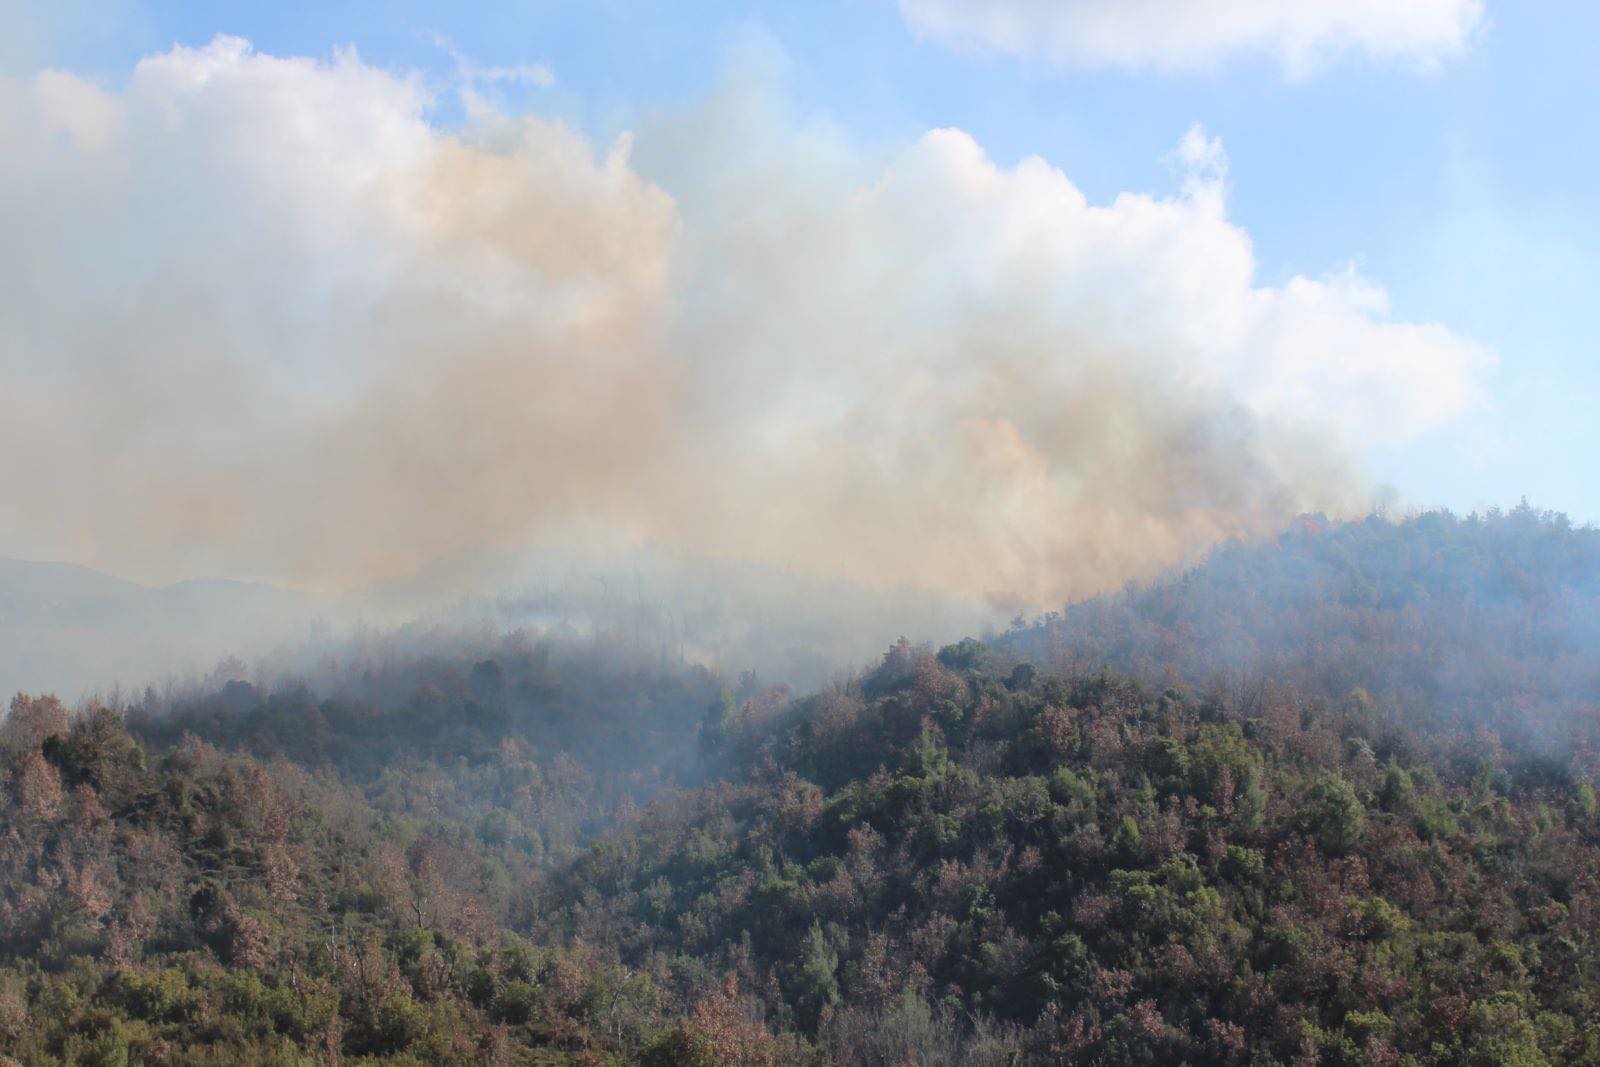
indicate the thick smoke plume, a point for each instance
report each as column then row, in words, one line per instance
column 263, row 318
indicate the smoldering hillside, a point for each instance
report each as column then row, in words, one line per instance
column 275, row 322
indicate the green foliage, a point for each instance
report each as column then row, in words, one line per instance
column 817, row 985
column 397, row 1024
column 965, row 655
column 717, row 727
column 536, row 853
column 681, row 1046
column 516, row 1002
column 162, row 996
column 1398, row 792
column 1587, row 805
column 1067, row 788
column 1126, row 844
column 1334, row 814
column 1245, row 866
column 928, row 758
column 1377, row 919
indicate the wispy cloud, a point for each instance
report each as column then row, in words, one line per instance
column 471, row 73
column 1185, row 35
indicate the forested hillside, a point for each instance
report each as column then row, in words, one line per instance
column 956, row 863
column 255, row 876
column 1445, row 623
column 1291, row 827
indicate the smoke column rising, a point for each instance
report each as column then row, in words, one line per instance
column 263, row 319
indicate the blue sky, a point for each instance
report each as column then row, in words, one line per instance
column 1469, row 192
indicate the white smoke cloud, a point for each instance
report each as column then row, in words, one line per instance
column 1181, row 35
column 268, row 321
column 953, row 371
column 262, row 319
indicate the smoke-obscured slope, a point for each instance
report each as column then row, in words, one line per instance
column 1439, row 621
column 952, row 858
column 721, row 614
column 274, row 323
column 69, row 630
column 72, row 631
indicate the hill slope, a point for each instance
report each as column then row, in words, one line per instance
column 68, row 629
column 1442, row 622
column 968, row 857
column 1084, row 869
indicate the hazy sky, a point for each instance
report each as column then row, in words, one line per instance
column 1369, row 229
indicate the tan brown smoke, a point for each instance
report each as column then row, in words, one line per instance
column 261, row 319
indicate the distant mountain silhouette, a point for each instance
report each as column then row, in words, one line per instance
column 72, row 630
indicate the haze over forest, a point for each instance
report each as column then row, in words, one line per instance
column 343, row 347
column 892, row 532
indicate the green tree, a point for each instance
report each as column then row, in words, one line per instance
column 1334, row 814
column 717, row 725
column 817, row 983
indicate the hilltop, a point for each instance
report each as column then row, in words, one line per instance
column 1442, row 623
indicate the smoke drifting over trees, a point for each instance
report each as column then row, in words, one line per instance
column 613, row 464
column 553, row 849
column 1487, row 625
column 335, row 343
